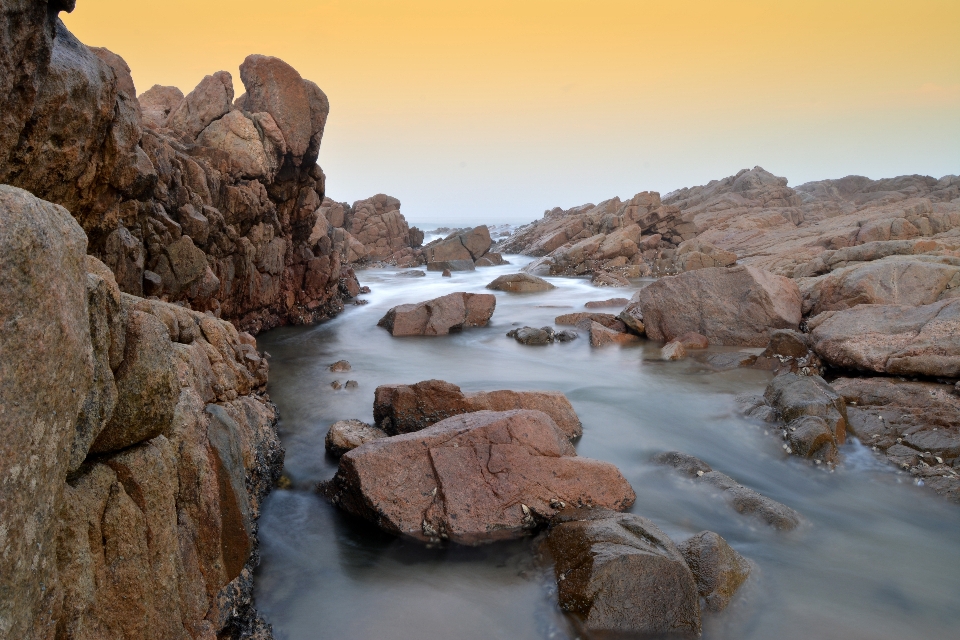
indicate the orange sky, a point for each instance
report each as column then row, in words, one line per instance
column 494, row 111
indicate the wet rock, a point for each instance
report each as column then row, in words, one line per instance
column 409, row 408
column 440, row 316
column 607, row 279
column 446, row 273
column 336, row 385
column 346, row 435
column 734, row 306
column 717, row 568
column 608, row 320
column 531, row 335
column 351, row 384
column 727, row 361
column 520, row 283
column 619, row 573
column 601, row 336
column 473, row 478
column 673, row 351
column 340, row 365
column 795, row 396
column 413, row 273
column 812, row 437
column 900, row 340
column 693, row 340
column 451, row 265
column 611, row 302
column 789, row 351
column 632, row 318
column 565, row 335
column 742, row 499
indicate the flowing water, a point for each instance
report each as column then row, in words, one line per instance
column 879, row 559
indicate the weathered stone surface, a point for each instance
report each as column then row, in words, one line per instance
column 347, row 435
column 408, row 408
column 736, row 306
column 611, row 302
column 632, row 318
column 532, row 335
column 156, row 104
column 473, row 478
column 608, row 320
column 601, row 336
column 901, row 340
column 275, row 87
column 520, row 283
column 45, row 374
column 440, row 316
column 693, row 340
column 795, row 396
column 742, row 499
column 717, row 568
column 236, row 136
column 673, row 350
column 459, row 247
column 697, row 254
column 620, row 573
column 210, row 101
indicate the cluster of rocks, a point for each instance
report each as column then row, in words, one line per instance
column 138, row 446
column 462, row 250
column 541, row 336
column 198, row 199
column 440, row 464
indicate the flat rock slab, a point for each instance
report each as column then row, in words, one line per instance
column 401, row 408
column 440, row 316
column 618, row 572
column 473, row 478
column 893, row 339
column 735, row 306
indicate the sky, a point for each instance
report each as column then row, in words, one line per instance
column 496, row 111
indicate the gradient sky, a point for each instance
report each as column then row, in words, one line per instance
column 494, row 111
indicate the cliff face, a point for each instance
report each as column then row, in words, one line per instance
column 200, row 199
column 137, row 447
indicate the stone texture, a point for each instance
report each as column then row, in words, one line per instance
column 520, row 283
column 608, row 320
column 795, row 396
column 717, row 568
column 440, row 316
column 601, row 335
column 276, row 88
column 619, row 573
column 473, row 478
column 210, row 101
column 347, row 435
column 736, row 306
column 611, row 302
column 893, row 339
column 459, row 247
column 407, row 408
column 673, row 351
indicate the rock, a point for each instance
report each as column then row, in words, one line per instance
column 693, row 340
column 440, row 316
column 210, row 101
column 892, row 339
column 415, row 273
column 795, row 396
column 565, row 336
column 340, row 365
column 347, row 435
column 601, row 336
column 608, row 320
column 336, row 385
column 451, row 265
column 491, row 259
column 606, row 279
column 736, row 306
column 236, row 136
column 697, row 254
column 408, row 408
column 157, row 102
column 673, row 351
column 789, row 350
column 531, row 335
column 717, row 568
column 460, row 247
column 619, row 573
column 275, row 87
column 727, row 361
column 632, row 318
column 378, row 227
column 812, row 437
column 611, row 302
column 742, row 499
column 351, row 384
column 520, row 283
column 45, row 375
column 473, row 478
column 446, row 273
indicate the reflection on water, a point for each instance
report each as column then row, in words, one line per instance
column 878, row 560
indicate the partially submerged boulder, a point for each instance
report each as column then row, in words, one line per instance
column 601, row 335
column 737, row 306
column 347, row 435
column 462, row 251
column 473, row 478
column 520, row 283
column 620, row 573
column 402, row 408
column 440, row 316
column 717, row 568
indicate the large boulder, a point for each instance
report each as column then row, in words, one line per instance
column 275, row 87
column 401, row 408
column 520, row 283
column 460, row 246
column 796, row 396
column 473, row 478
column 440, row 316
column 899, row 340
column 45, row 374
column 619, row 573
column 211, row 100
column 236, row 136
column 737, row 306
column 717, row 567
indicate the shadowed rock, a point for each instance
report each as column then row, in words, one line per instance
column 717, row 568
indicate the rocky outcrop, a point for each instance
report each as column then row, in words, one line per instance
column 193, row 199
column 401, row 408
column 619, row 573
column 902, row 340
column 520, row 283
column 138, row 448
column 473, row 478
column 737, row 306
column 440, row 316
column 743, row 499
column 462, row 251
column 815, row 415
column 371, row 230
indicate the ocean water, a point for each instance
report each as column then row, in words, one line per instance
column 877, row 560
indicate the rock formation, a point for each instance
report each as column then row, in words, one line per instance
column 462, row 251
column 371, row 230
column 138, row 446
column 440, row 316
column 520, row 283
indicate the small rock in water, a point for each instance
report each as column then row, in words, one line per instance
column 446, row 273
column 346, row 435
column 611, row 302
column 364, row 289
column 340, row 365
column 336, row 384
column 413, row 273
column 352, row 384
column 673, row 351
column 717, row 568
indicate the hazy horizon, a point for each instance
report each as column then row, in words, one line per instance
column 496, row 111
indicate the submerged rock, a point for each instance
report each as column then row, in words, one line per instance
column 620, row 573
column 717, row 568
column 339, row 366
column 440, row 316
column 473, row 478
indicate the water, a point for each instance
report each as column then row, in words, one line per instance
column 879, row 559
